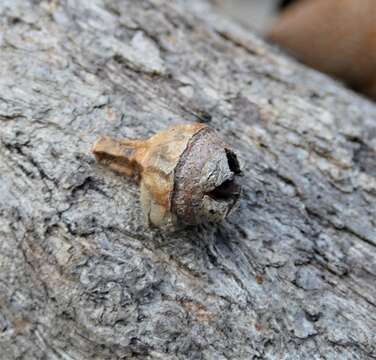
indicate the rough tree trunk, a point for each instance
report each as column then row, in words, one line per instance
column 292, row 275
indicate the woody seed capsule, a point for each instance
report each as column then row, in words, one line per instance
column 187, row 174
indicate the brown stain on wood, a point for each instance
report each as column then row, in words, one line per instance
column 197, row 310
column 259, row 279
column 21, row 325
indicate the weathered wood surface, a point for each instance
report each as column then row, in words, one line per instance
column 292, row 275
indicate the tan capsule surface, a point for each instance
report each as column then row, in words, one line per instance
column 152, row 162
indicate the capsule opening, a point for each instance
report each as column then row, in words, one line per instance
column 229, row 189
column 233, row 162
column 226, row 191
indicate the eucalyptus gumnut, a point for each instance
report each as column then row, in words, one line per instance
column 187, row 173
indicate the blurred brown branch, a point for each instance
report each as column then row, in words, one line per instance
column 337, row 37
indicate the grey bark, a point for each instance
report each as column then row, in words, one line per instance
column 292, row 275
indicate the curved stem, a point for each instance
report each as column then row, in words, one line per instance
column 118, row 154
